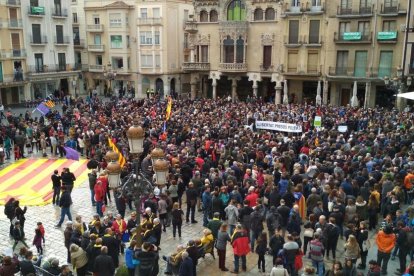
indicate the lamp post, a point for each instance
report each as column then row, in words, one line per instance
column 161, row 171
column 398, row 83
column 111, row 156
column 109, row 75
column 114, row 174
column 156, row 154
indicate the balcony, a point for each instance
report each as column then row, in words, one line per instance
column 312, row 41
column 394, row 10
column 78, row 43
column 15, row 24
column 95, row 28
column 196, row 66
column 293, row 41
column 293, row 10
column 13, row 54
column 60, row 13
column 13, row 3
column 387, row 37
column 233, row 67
column 229, row 27
column 36, row 11
column 11, row 78
column 363, row 11
column 38, row 40
column 266, row 68
column 49, row 68
column 190, row 26
column 312, row 70
column 352, row 72
column 62, row 40
column 150, row 21
column 96, row 48
column 96, row 68
column 352, row 38
column 314, row 10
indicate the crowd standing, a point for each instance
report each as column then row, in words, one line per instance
column 290, row 195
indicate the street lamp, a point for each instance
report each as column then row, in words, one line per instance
column 156, row 154
column 111, row 156
column 135, row 135
column 114, row 174
column 399, row 83
column 110, row 75
column 161, row 171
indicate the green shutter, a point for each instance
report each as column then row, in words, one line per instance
column 386, row 35
column 360, row 64
column 385, row 64
column 1, row 72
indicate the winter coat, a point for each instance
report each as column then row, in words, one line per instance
column 256, row 221
column 362, row 210
column 78, row 258
column 232, row 214
column 222, row 239
column 385, row 242
column 186, row 267
column 240, row 243
column 104, row 266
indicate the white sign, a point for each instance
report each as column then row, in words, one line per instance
column 342, row 128
column 278, row 126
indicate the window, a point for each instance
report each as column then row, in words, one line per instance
column 15, row 39
column 58, row 7
column 116, row 41
column 240, row 50
column 313, row 63
column 364, row 29
column 117, row 63
column 128, row 63
column 343, row 28
column 270, row 14
column 145, row 38
column 146, row 60
column 365, row 3
column 204, row 53
column 390, row 3
column 292, row 61
column 293, row 31
column 97, row 39
column 144, row 13
column 75, row 17
column 38, row 62
column 115, row 20
column 314, row 32
column 385, row 64
column 62, row 61
column 156, row 12
column 360, row 67
column 346, row 4
column 295, row 3
column 267, row 57
column 389, row 26
column 34, row 3
column 341, row 62
column 96, row 20
column 228, row 45
column 258, row 14
column 98, row 60
column 157, row 61
column 316, row 3
column 36, row 33
column 128, row 41
column 236, row 11
column 59, row 34
column 213, row 16
column 157, row 38
column 203, row 16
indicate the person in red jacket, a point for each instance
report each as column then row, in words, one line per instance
column 241, row 247
column 252, row 197
column 99, row 197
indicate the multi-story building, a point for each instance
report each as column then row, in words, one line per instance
column 286, row 50
column 409, row 49
column 135, row 44
column 14, row 87
column 49, row 47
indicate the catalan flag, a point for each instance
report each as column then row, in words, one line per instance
column 121, row 158
column 168, row 111
column 50, row 103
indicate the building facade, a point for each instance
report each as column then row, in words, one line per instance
column 14, row 86
column 294, row 51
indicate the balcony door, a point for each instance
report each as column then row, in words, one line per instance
column 16, row 44
column 341, row 62
column 62, row 61
column 293, row 31
column 14, row 22
column 360, row 69
column 39, row 62
column 59, row 34
column 385, row 64
column 36, row 33
column 1, row 72
column 97, row 40
column 228, row 45
column 267, row 57
column 58, row 7
column 344, row 27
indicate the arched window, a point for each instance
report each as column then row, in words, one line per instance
column 236, row 11
column 213, row 16
column 240, row 50
column 203, row 16
column 270, row 14
column 228, row 44
column 258, row 14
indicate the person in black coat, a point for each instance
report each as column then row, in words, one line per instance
column 191, row 194
column 68, row 179
column 56, row 180
column 19, row 212
column 186, row 266
column 18, row 235
column 112, row 244
column 104, row 266
column 156, row 231
column 192, row 251
column 148, row 259
column 27, row 266
column 284, row 212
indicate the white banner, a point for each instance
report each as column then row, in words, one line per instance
column 278, row 126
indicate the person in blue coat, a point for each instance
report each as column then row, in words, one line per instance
column 186, row 267
column 130, row 262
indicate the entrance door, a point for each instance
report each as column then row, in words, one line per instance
column 159, row 88
column 360, row 64
column 345, row 96
column 172, row 86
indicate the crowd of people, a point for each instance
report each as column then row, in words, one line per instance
column 290, row 195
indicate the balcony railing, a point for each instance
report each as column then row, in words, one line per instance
column 312, row 70
column 15, row 24
column 60, row 13
column 233, row 67
column 62, row 40
column 14, row 53
column 190, row 26
column 362, row 72
column 349, row 12
column 96, row 48
column 266, row 68
column 292, row 9
column 38, row 40
column 16, row 77
column 313, row 40
column 95, row 28
column 293, row 41
column 314, row 9
column 353, row 37
column 13, row 3
column 150, row 21
column 96, row 68
column 49, row 68
column 78, row 42
column 36, row 11
column 196, row 66
column 390, row 10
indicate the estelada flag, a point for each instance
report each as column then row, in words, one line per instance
column 121, row 158
column 168, row 111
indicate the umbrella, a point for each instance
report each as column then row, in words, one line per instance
column 354, row 99
column 285, row 93
column 408, row 95
column 318, row 94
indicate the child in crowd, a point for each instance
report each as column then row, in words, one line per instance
column 37, row 241
column 42, row 230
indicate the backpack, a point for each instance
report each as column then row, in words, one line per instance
column 9, row 211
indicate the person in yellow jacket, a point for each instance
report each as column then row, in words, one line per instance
column 385, row 241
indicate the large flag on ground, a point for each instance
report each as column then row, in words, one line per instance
column 43, row 108
column 71, row 154
column 168, row 111
column 121, row 158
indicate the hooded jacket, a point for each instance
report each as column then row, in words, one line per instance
column 385, row 242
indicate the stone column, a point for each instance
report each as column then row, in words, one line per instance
column 193, row 85
column 192, row 55
column 367, row 94
column 214, row 89
column 255, row 86
column 325, row 92
column 234, row 89
column 278, row 96
column 254, row 77
column 214, row 76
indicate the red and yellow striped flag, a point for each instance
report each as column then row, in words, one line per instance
column 121, row 158
column 168, row 111
column 49, row 103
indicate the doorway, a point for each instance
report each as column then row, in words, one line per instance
column 345, row 96
column 309, row 92
column 64, row 85
column 159, row 87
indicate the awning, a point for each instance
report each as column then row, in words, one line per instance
column 408, row 95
